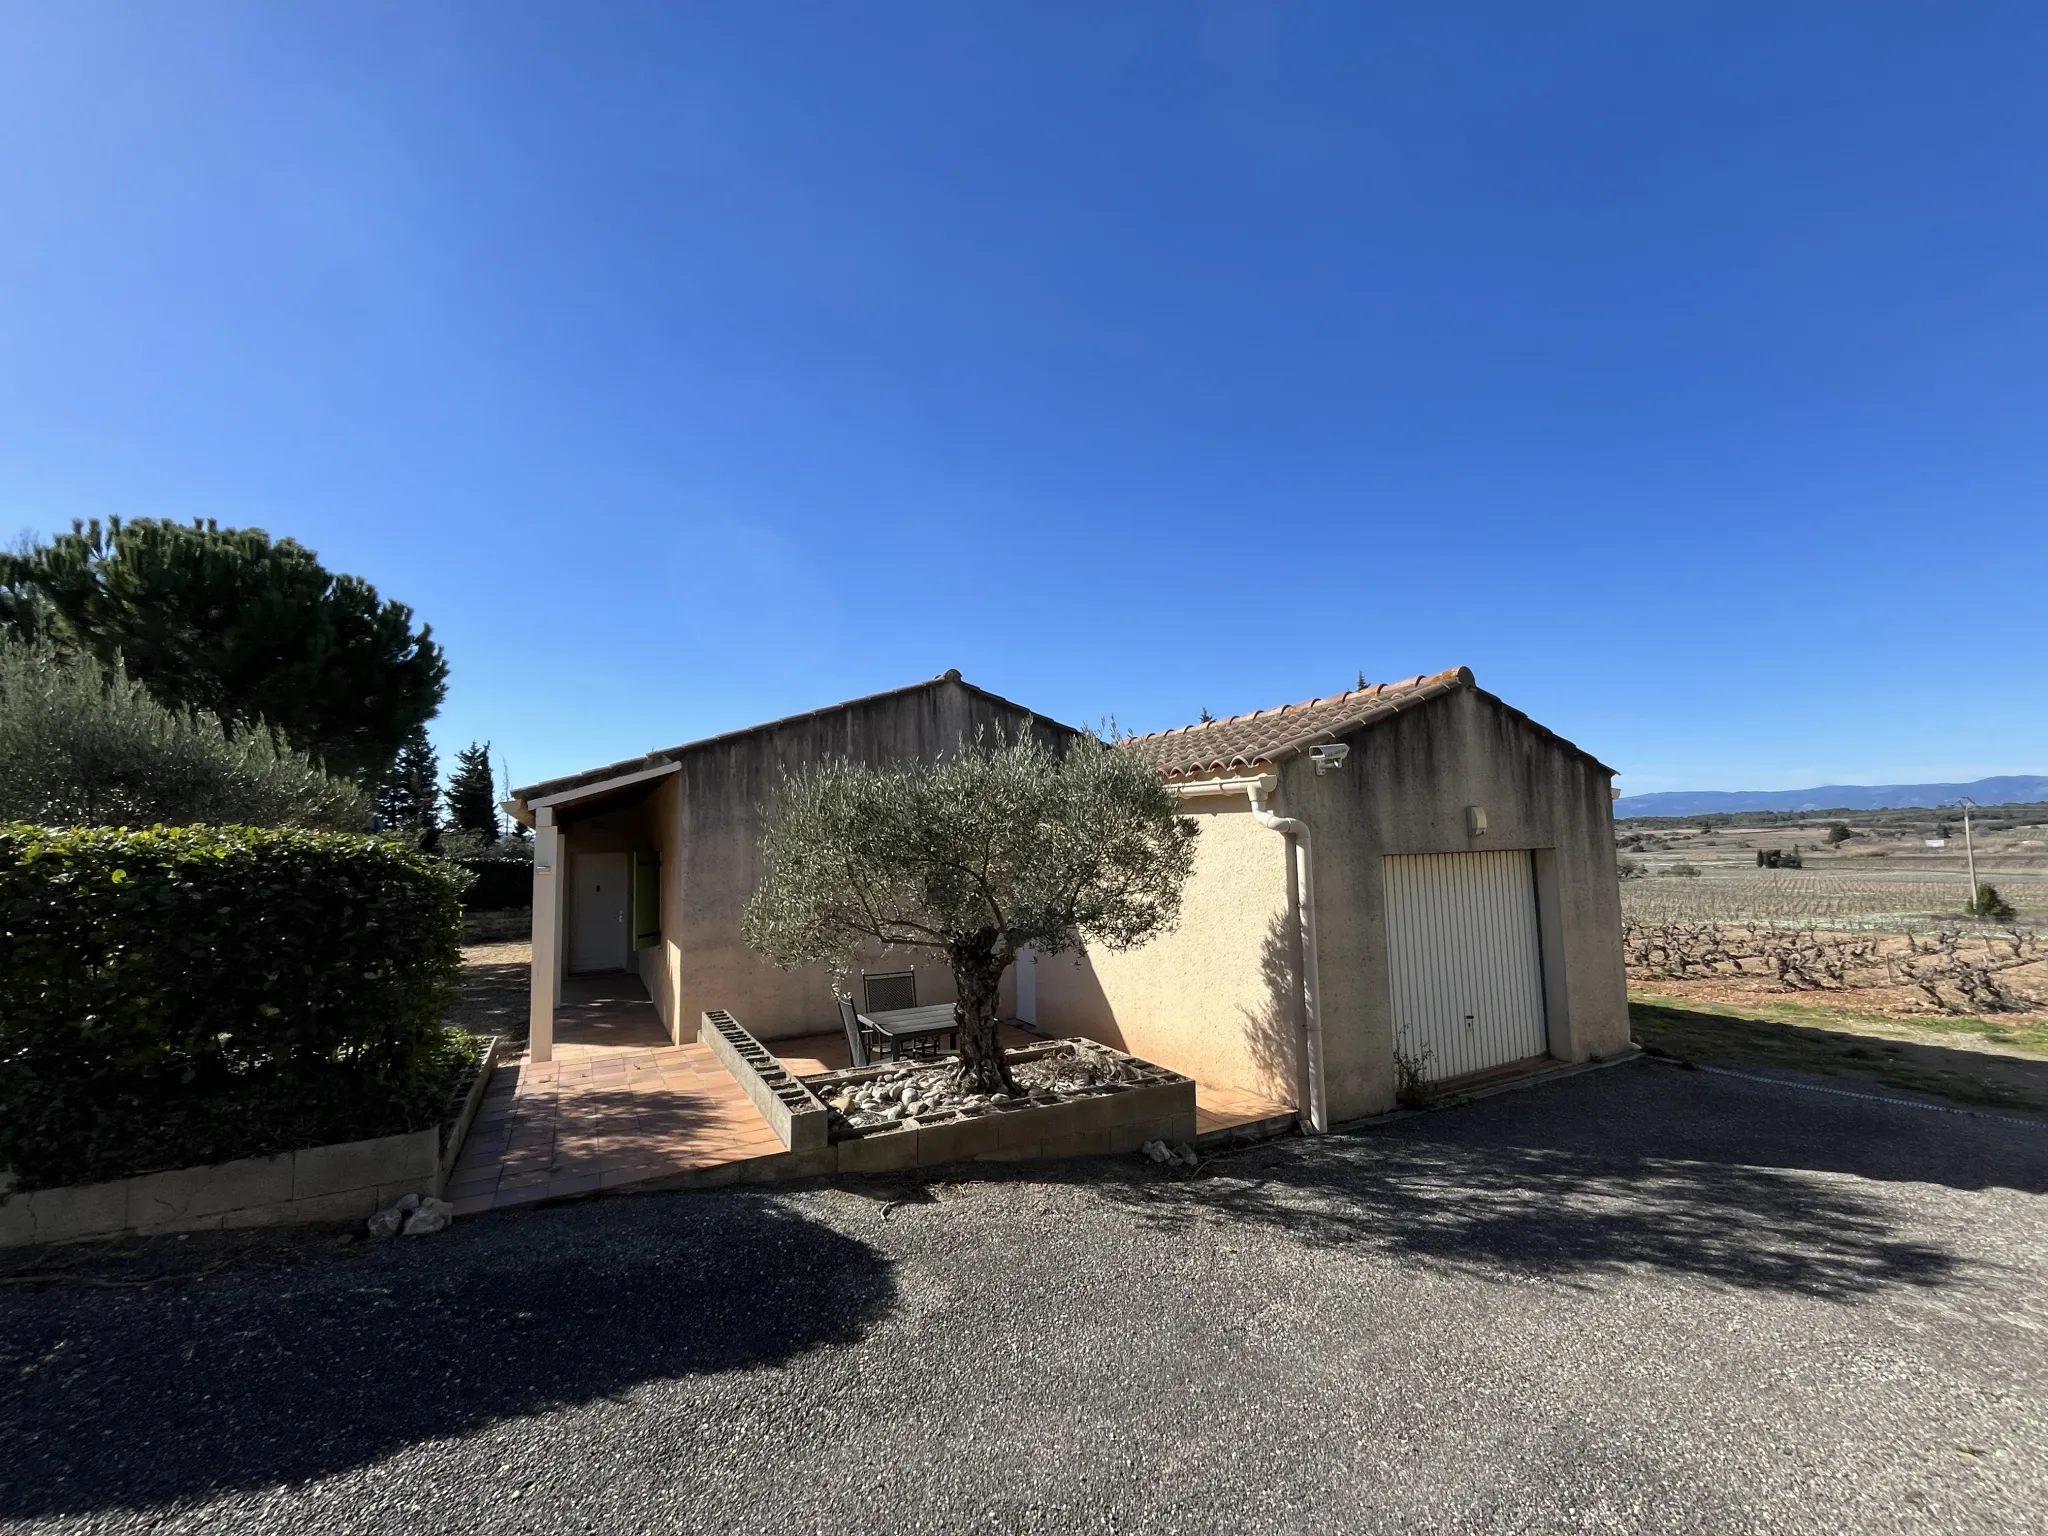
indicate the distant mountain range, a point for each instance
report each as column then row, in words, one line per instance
column 1835, row 797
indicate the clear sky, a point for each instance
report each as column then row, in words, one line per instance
column 1680, row 368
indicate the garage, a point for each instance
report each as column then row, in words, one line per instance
column 1465, row 961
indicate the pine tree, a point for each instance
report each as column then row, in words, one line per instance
column 411, row 795
column 472, row 800
column 243, row 626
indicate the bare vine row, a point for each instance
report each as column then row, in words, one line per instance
column 1952, row 970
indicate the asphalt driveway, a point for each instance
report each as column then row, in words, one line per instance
column 1637, row 1300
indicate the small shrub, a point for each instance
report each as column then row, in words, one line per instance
column 1992, row 906
column 1838, row 834
column 185, row 995
column 1682, row 870
column 1626, row 868
column 1412, row 1087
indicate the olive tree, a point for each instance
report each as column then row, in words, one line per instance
column 975, row 856
column 79, row 746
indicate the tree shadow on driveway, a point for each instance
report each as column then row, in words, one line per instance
column 259, row 1375
column 1640, row 1168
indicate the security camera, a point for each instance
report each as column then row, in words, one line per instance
column 1327, row 757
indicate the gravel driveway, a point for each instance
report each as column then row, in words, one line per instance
column 1636, row 1300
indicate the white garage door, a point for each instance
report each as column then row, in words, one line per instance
column 1467, row 964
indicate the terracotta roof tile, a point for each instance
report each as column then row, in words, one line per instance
column 1274, row 735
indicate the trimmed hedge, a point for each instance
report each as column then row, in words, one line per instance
column 185, row 995
column 497, row 884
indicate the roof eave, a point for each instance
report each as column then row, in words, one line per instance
column 661, row 757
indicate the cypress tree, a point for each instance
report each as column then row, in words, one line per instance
column 472, row 802
column 411, row 794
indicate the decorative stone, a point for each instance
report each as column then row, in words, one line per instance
column 387, row 1222
column 431, row 1216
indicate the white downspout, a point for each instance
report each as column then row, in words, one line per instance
column 1312, row 983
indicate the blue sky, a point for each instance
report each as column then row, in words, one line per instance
column 1678, row 368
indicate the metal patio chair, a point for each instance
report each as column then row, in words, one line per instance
column 886, row 991
column 857, row 1041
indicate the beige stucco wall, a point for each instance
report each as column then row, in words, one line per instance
column 661, row 966
column 1405, row 790
column 1215, row 998
column 709, row 838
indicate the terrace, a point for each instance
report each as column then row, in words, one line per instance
column 621, row 1106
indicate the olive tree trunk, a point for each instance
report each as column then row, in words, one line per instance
column 978, row 968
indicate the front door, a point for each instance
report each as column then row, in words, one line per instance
column 597, row 911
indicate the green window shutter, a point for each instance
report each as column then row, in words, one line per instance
column 646, row 900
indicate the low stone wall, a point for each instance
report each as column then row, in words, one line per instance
column 347, row 1181
column 790, row 1108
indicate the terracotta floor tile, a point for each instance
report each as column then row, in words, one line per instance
column 638, row 1173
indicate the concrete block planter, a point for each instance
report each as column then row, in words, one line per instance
column 346, row 1181
column 1144, row 1103
column 790, row 1109
column 1136, row 1102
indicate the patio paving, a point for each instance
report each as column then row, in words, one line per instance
column 621, row 1105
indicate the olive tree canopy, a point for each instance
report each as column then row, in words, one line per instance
column 974, row 857
column 83, row 747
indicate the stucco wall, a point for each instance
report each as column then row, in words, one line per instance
column 710, row 851
column 661, row 966
column 1405, row 790
column 1215, row 998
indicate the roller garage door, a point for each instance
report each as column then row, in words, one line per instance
column 1466, row 960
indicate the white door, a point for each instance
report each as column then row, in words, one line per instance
column 1027, row 985
column 1466, row 961
column 597, row 911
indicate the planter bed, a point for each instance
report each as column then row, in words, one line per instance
column 347, row 1181
column 1078, row 1098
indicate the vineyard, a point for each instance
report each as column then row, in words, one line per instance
column 1891, row 945
column 1815, row 899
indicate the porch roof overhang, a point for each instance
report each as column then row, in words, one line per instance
column 540, row 811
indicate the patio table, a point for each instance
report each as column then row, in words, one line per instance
column 901, row 1026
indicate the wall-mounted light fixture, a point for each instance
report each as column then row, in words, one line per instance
column 1475, row 821
column 1330, row 755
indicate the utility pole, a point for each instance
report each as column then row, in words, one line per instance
column 1970, row 850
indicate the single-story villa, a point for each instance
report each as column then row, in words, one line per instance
column 1408, row 879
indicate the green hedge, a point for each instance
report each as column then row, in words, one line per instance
column 496, row 884
column 185, row 995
